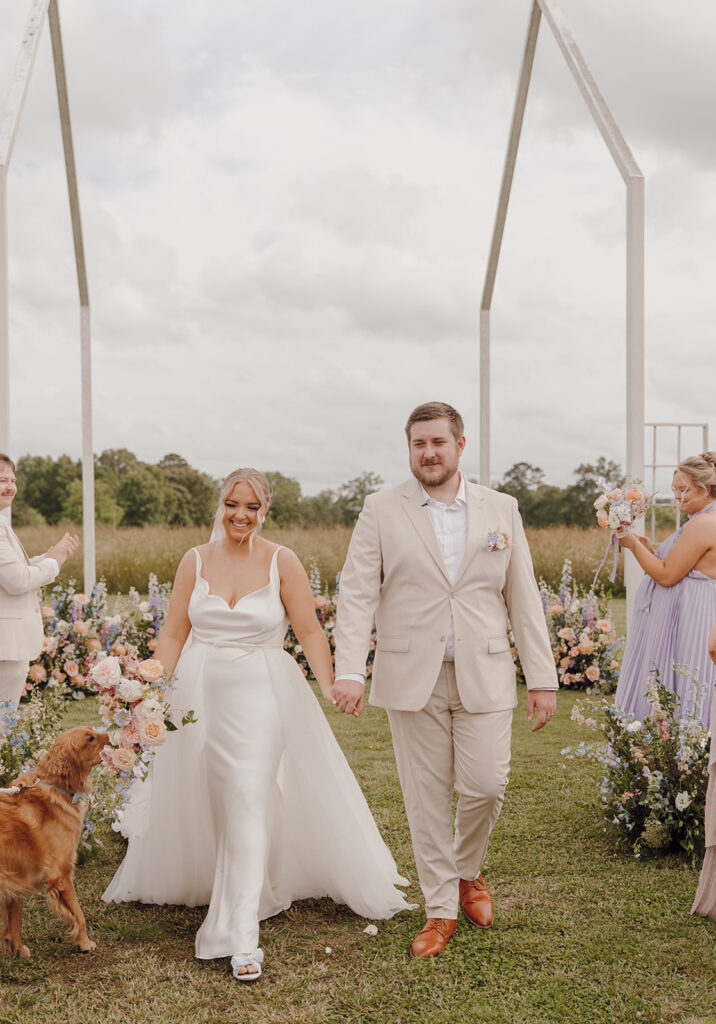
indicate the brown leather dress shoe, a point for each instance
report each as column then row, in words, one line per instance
column 433, row 937
column 476, row 902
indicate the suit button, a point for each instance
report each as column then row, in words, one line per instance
column 452, row 593
column 443, row 639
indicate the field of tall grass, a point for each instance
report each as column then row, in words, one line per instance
column 126, row 555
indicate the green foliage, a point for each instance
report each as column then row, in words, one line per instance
column 544, row 504
column 286, row 501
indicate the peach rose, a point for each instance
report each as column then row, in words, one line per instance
column 118, row 648
column 586, row 646
column 152, row 644
column 604, row 625
column 151, row 732
column 94, row 644
column 82, row 627
column 603, row 520
column 71, row 668
column 565, row 662
column 592, row 673
column 37, row 673
column 150, row 670
column 80, row 599
column 633, row 495
column 120, row 759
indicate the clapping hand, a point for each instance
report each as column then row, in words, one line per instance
column 64, row 548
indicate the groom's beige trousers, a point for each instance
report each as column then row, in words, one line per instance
column 432, row 746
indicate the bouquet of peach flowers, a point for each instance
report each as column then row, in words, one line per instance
column 133, row 705
column 617, row 510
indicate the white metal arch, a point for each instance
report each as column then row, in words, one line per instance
column 634, row 180
column 8, row 132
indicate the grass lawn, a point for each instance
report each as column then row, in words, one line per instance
column 583, row 933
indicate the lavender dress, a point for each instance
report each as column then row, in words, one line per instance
column 670, row 624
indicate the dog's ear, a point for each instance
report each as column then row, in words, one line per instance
column 61, row 766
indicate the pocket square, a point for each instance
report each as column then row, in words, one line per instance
column 497, row 540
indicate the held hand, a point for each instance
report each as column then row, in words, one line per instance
column 348, row 696
column 544, row 702
column 646, row 542
column 63, row 549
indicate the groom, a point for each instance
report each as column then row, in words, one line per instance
column 442, row 564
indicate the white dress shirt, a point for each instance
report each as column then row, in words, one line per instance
column 450, row 523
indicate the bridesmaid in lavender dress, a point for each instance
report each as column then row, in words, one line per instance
column 675, row 604
column 705, row 901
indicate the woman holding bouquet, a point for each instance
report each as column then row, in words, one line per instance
column 253, row 806
column 675, row 604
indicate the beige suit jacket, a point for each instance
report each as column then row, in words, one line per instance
column 21, row 631
column 395, row 571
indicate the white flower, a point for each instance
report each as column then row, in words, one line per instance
column 143, row 606
column 152, row 707
column 634, row 726
column 130, row 690
column 106, row 673
column 370, row 930
column 682, row 801
column 328, row 949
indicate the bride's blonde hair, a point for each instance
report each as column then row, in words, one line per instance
column 701, row 469
column 262, row 489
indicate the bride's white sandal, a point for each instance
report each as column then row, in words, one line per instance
column 254, row 959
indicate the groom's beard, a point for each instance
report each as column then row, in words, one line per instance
column 429, row 480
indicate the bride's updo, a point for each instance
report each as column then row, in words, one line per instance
column 262, row 489
column 701, row 469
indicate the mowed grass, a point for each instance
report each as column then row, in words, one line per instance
column 126, row 555
column 583, row 933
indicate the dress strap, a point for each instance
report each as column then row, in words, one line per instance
column 198, row 562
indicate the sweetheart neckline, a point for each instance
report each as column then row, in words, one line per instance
column 232, row 607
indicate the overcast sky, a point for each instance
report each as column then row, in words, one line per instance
column 287, row 211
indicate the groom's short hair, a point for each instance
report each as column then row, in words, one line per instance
column 436, row 411
column 5, row 460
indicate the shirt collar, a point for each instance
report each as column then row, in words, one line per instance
column 460, row 497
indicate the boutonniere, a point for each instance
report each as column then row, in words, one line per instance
column 497, row 540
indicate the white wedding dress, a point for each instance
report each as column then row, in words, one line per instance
column 254, row 805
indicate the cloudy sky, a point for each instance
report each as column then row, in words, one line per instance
column 287, row 212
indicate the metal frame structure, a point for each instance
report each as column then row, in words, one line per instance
column 8, row 133
column 634, row 181
column 654, row 465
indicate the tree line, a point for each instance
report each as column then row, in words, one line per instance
column 129, row 492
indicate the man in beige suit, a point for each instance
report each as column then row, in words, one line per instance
column 443, row 565
column 21, row 630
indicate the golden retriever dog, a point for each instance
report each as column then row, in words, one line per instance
column 41, row 817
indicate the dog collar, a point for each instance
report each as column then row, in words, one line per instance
column 60, row 789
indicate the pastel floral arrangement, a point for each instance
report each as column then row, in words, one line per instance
column 655, row 771
column 618, row 509
column 326, row 614
column 133, row 704
column 79, row 630
column 497, row 540
column 584, row 644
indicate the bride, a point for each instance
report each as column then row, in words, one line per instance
column 254, row 805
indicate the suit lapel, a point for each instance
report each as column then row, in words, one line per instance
column 475, row 527
column 15, row 542
column 419, row 515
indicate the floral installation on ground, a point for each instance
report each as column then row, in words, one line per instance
column 326, row 614
column 655, row 771
column 79, row 630
column 584, row 644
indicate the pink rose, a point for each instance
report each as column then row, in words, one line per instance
column 71, row 668
column 604, row 625
column 106, row 673
column 118, row 758
column 592, row 673
column 573, row 652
